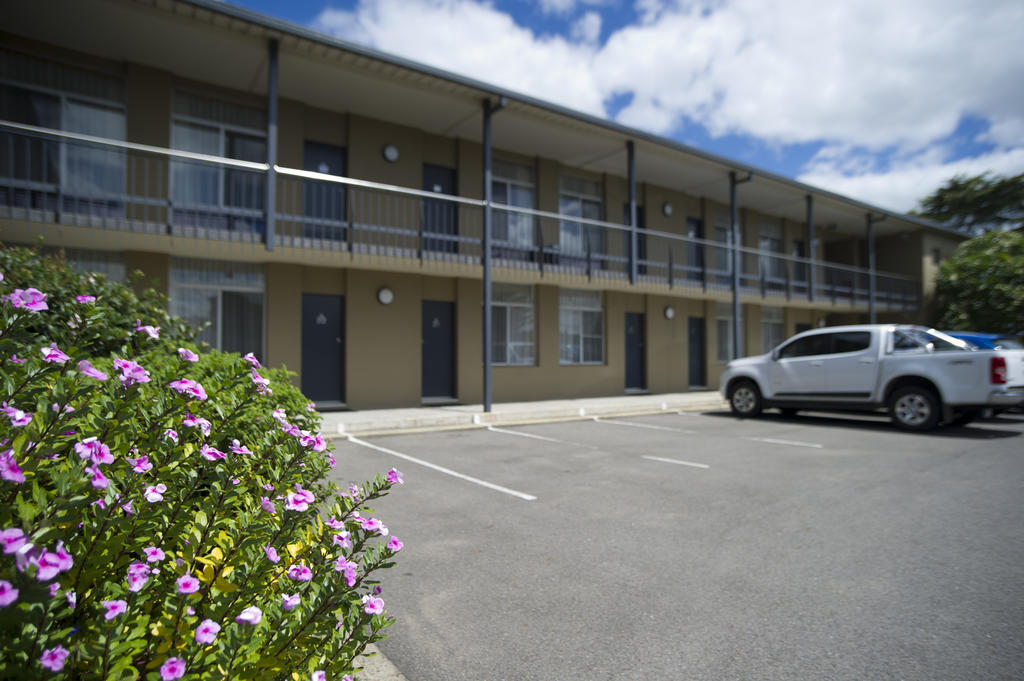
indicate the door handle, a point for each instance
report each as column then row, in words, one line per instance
column 817, row 364
column 867, row 360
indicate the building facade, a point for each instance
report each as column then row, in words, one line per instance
column 346, row 213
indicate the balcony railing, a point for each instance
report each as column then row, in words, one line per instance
column 59, row 177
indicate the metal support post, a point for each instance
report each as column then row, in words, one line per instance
column 271, row 189
column 734, row 222
column 871, row 221
column 489, row 110
column 810, row 247
column 633, row 241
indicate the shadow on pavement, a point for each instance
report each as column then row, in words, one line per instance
column 978, row 430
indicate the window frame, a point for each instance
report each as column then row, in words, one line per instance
column 578, row 311
column 583, row 230
column 505, row 308
column 778, row 325
column 499, row 179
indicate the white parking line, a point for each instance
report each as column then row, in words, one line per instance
column 793, row 443
column 632, row 424
column 446, row 471
column 539, row 437
column 681, row 463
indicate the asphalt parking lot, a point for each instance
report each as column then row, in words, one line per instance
column 698, row 546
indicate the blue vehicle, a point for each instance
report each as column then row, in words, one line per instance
column 988, row 341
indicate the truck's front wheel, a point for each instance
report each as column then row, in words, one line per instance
column 745, row 399
column 914, row 407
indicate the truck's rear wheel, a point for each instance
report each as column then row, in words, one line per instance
column 745, row 399
column 914, row 407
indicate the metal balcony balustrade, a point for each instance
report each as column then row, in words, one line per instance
column 65, row 178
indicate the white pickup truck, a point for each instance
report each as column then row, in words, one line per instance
column 922, row 376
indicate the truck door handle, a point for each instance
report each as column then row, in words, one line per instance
column 867, row 360
column 817, row 364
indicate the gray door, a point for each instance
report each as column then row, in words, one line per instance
column 636, row 365
column 438, row 349
column 698, row 356
column 440, row 217
column 323, row 347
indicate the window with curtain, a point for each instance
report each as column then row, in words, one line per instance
column 229, row 296
column 769, row 242
column 89, row 177
column 512, row 325
column 725, row 331
column 580, row 198
column 723, row 255
column 512, row 184
column 580, row 327
column 773, row 328
column 208, row 194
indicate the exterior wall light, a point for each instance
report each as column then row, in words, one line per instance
column 670, row 312
column 667, row 209
column 385, row 296
column 390, row 153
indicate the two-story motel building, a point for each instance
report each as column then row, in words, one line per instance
column 327, row 207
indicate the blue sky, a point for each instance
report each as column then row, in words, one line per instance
column 878, row 100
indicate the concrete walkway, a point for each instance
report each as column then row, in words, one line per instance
column 420, row 419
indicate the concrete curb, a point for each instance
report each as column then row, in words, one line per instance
column 376, row 667
column 435, row 422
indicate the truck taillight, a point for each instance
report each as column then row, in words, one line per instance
column 997, row 370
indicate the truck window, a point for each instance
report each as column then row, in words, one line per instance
column 806, row 346
column 850, row 341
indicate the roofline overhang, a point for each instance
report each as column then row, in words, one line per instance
column 272, row 24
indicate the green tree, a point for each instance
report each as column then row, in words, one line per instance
column 981, row 287
column 977, row 204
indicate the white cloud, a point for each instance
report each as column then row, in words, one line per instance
column 901, row 186
column 587, row 28
column 871, row 76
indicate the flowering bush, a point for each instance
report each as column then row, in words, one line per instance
column 163, row 512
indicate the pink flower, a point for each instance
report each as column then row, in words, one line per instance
column 342, row 539
column 317, row 441
column 207, row 630
column 239, row 448
column 86, row 368
column 394, row 475
column 271, row 554
column 268, row 505
column 211, row 453
column 251, row 615
column 114, row 608
column 127, row 507
column 140, row 464
column 153, row 554
column 8, row 594
column 173, row 668
column 171, row 435
column 373, row 605
column 85, row 299
column 373, row 525
column 347, row 567
column 298, row 500
column 94, row 450
column 16, row 359
column 72, row 598
column 262, row 384
column 53, row 354
column 251, row 359
column 300, row 573
column 188, row 355
column 311, row 407
column 138, row 575
column 131, row 372
column 279, row 415
column 318, row 675
column 187, row 584
column 151, row 331
column 187, row 386
column 191, row 421
column 31, row 299
column 9, row 469
column 53, row 659
column 98, row 480
column 17, row 416
column 155, row 493
column 289, row 602
column 395, row 545
column 334, row 523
